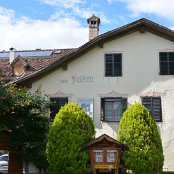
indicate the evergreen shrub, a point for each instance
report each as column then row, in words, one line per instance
column 71, row 130
column 139, row 131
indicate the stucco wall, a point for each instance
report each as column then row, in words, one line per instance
column 85, row 78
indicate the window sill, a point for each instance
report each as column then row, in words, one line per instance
column 160, row 121
column 110, row 121
column 114, row 76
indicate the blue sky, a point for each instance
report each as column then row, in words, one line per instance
column 32, row 24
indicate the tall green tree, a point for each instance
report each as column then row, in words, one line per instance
column 25, row 115
column 139, row 131
column 71, row 129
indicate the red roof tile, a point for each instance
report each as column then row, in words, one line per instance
column 35, row 63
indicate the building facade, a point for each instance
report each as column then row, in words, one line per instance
column 112, row 71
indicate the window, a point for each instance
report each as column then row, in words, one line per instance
column 56, row 104
column 4, row 157
column 153, row 104
column 98, row 156
column 112, row 108
column 111, row 156
column 19, row 70
column 166, row 63
column 113, row 65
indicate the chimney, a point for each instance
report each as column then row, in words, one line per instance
column 12, row 54
column 94, row 23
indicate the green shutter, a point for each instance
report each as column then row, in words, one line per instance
column 56, row 104
column 102, row 113
column 153, row 104
column 124, row 104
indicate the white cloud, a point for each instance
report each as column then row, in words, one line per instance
column 77, row 8
column 109, row 1
column 6, row 16
column 62, row 30
column 85, row 13
column 25, row 33
column 63, row 3
column 72, row 5
column 161, row 8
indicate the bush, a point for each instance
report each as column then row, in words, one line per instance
column 71, row 129
column 139, row 131
column 25, row 115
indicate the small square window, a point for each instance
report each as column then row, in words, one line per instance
column 98, row 156
column 111, row 156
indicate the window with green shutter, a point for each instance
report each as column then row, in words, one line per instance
column 153, row 104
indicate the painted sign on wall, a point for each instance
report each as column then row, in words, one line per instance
column 78, row 79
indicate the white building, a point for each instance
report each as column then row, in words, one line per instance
column 131, row 63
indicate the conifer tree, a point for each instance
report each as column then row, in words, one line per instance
column 139, row 131
column 71, row 129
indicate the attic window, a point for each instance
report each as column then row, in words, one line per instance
column 19, row 66
column 19, row 70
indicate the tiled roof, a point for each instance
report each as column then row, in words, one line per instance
column 36, row 60
column 5, row 67
column 19, row 61
column 46, row 64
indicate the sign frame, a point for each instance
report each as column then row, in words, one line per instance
column 87, row 104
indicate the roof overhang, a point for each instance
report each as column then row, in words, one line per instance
column 141, row 25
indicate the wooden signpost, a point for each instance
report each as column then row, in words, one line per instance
column 105, row 154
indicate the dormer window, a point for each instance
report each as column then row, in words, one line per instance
column 19, row 66
column 18, row 70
